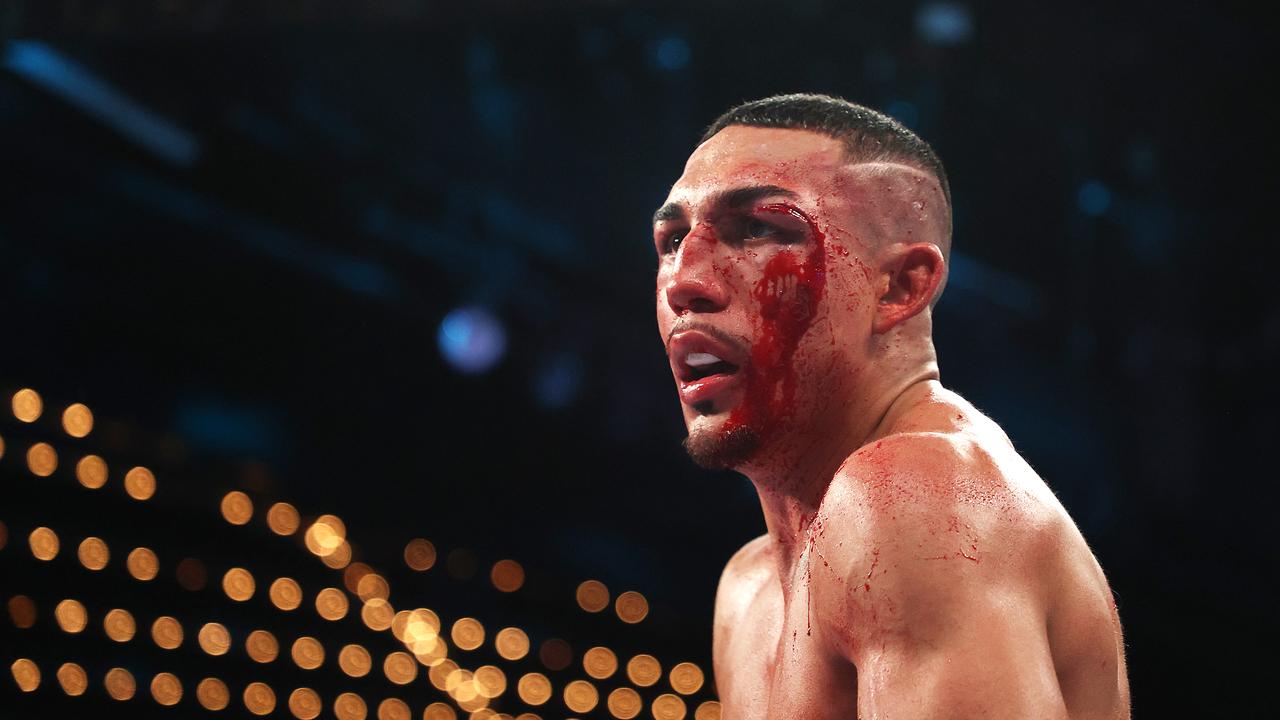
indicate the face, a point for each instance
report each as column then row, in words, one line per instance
column 765, row 289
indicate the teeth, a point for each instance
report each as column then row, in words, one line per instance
column 701, row 359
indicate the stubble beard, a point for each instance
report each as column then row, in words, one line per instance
column 714, row 449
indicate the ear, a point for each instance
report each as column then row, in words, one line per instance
column 914, row 273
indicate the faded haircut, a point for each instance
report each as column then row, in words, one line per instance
column 868, row 135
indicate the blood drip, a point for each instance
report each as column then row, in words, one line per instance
column 788, row 294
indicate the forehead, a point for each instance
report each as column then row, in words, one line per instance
column 799, row 160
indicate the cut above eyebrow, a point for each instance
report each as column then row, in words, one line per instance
column 733, row 198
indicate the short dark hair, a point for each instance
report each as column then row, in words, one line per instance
column 868, row 135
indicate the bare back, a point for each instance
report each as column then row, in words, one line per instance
column 940, row 578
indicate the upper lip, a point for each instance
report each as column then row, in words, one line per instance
column 699, row 341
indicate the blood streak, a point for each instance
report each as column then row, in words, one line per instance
column 788, row 295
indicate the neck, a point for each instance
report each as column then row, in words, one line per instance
column 792, row 484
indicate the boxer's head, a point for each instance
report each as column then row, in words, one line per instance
column 798, row 257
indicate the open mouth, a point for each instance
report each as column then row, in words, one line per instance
column 700, row 365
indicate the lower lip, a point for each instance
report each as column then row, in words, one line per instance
column 707, row 388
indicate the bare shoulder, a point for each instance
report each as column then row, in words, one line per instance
column 939, row 520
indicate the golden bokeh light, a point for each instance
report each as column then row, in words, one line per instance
column 400, row 668
column 593, row 596
column 236, row 508
column 214, row 638
column 490, row 681
column 440, row 673
column 581, row 696
column 120, row 684
column 534, row 688
column 166, row 689
column 644, row 670
column 91, row 472
column 305, row 704
column 511, row 643
column 213, row 694
column 44, row 543
column 668, row 707
column 325, row 535
column 238, row 584
column 461, row 685
column 22, row 611
column 600, row 662
column 140, row 483
column 377, row 614
column 259, row 698
column 142, row 564
column 350, row 706
column 166, row 632
column 555, row 654
column 71, row 616
column 332, row 604
column 27, row 405
column 433, row 655
column 307, row 653
column 262, row 646
column 419, row 554
column 507, row 575
column 354, row 660
column 439, row 711
column 1, row 446
column 339, row 558
column 393, row 709
column 285, row 594
column 352, row 574
column 93, row 553
column 412, row 625
column 283, row 519
column 191, row 574
column 624, row 703
column 527, row 716
column 42, row 459
column 631, row 607
column 467, row 633
column 119, row 625
column 709, row 710
column 77, row 420
column 26, row 674
column 686, row 678
column 372, row 585
column 73, row 679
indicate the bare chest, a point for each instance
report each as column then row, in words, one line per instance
column 778, row 667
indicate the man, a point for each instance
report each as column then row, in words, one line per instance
column 914, row 565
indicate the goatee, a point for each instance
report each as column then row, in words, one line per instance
column 714, row 450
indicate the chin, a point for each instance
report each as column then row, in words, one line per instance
column 712, row 447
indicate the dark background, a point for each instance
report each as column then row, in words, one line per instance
column 255, row 301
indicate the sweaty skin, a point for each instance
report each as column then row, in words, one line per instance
column 914, row 566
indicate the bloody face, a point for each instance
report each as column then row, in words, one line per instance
column 763, row 299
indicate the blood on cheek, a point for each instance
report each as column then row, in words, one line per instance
column 787, row 294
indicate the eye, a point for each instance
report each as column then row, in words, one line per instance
column 758, row 229
column 672, row 243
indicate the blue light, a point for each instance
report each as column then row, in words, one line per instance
column 1093, row 198
column 672, row 53
column 471, row 339
column 43, row 66
column 944, row 23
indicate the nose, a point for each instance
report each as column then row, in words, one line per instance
column 697, row 283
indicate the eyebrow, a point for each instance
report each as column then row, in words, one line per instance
column 734, row 198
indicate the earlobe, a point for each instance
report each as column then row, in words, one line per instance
column 911, row 279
